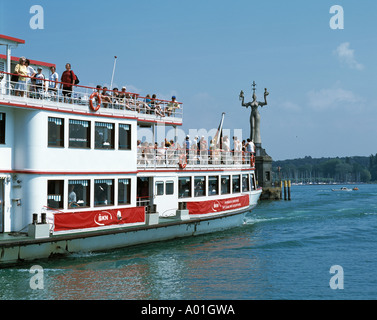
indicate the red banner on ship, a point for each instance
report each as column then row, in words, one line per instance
column 91, row 219
column 219, row 205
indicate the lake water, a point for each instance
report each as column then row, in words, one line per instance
column 285, row 250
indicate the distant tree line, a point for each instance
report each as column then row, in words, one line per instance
column 327, row 170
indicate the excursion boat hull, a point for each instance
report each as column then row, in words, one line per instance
column 27, row 249
column 99, row 171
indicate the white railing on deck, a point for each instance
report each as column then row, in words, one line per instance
column 80, row 97
column 149, row 157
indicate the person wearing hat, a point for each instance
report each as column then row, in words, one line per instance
column 171, row 106
column 123, row 94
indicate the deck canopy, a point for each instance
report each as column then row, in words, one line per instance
column 9, row 42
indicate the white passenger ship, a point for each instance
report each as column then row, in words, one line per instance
column 75, row 178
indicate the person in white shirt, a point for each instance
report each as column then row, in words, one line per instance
column 31, row 73
column 237, row 150
column 72, row 200
column 226, row 144
column 39, row 81
column 53, row 86
column 250, row 147
column 225, row 154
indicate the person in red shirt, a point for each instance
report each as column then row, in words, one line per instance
column 68, row 78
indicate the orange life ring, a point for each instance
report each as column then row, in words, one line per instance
column 95, row 94
column 252, row 160
column 182, row 161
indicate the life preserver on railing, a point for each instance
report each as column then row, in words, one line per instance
column 182, row 161
column 252, row 160
column 94, row 95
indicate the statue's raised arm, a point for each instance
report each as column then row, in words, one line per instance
column 266, row 93
column 242, row 99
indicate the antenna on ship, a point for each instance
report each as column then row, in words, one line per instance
column 112, row 77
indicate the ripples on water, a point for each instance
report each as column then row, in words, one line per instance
column 284, row 250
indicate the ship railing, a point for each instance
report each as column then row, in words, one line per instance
column 175, row 157
column 128, row 102
column 143, row 201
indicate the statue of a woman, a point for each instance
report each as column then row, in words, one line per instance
column 254, row 115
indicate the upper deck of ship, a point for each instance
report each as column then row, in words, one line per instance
column 84, row 100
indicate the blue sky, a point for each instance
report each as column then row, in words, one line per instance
column 321, row 81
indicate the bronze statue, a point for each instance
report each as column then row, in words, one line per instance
column 254, row 114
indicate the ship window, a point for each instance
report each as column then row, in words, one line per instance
column 252, row 181
column 225, row 184
column 2, row 128
column 236, row 184
column 103, row 192
column 213, row 185
column 159, row 188
column 124, row 191
column 55, row 194
column 245, row 182
column 199, row 186
column 55, row 132
column 184, row 187
column 169, row 187
column 79, row 133
column 124, row 136
column 104, row 135
column 78, row 193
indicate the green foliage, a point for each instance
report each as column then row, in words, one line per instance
column 308, row 169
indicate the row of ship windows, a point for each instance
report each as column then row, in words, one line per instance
column 79, row 191
column 79, row 135
column 213, row 185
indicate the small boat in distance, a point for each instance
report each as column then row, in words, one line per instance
column 342, row 189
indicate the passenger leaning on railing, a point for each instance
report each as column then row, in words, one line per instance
column 68, row 78
column 147, row 104
column 172, row 105
column 21, row 71
column 106, row 98
column 156, row 106
column 124, row 98
column 123, row 95
column 115, row 97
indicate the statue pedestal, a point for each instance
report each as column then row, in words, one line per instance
column 263, row 166
column 263, row 169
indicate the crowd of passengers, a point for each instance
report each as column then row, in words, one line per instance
column 129, row 101
column 196, row 151
column 35, row 84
